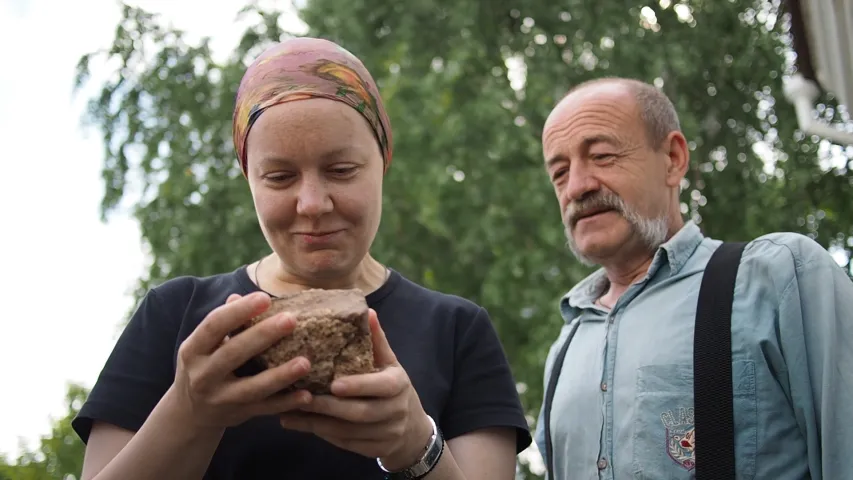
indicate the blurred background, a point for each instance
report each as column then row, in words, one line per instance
column 119, row 170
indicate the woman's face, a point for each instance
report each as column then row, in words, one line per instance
column 315, row 171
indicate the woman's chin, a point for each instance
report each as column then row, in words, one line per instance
column 324, row 264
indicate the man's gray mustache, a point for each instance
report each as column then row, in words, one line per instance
column 576, row 211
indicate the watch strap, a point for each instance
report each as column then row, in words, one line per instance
column 430, row 458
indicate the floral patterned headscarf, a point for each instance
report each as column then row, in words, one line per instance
column 301, row 68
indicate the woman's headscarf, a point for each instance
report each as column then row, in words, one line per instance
column 301, row 68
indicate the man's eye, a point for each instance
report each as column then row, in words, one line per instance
column 601, row 156
column 559, row 173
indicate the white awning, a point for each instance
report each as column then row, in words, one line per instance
column 828, row 26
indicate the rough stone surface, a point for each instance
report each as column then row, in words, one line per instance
column 332, row 332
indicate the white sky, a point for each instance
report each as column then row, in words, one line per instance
column 66, row 277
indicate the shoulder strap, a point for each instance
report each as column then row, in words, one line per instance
column 549, row 399
column 712, row 366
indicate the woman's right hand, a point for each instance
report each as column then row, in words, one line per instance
column 205, row 385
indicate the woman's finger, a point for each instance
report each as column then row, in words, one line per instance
column 350, row 409
column 223, row 320
column 383, row 384
column 280, row 403
column 382, row 353
column 249, row 343
column 268, row 383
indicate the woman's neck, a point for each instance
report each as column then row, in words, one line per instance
column 272, row 276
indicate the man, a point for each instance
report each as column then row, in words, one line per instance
column 623, row 404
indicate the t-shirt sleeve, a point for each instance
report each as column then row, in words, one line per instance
column 137, row 373
column 484, row 393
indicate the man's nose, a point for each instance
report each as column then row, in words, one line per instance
column 581, row 182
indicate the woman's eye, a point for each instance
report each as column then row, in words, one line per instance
column 343, row 171
column 278, row 177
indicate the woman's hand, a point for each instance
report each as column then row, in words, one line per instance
column 375, row 414
column 205, row 385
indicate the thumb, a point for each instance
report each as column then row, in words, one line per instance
column 383, row 356
column 231, row 298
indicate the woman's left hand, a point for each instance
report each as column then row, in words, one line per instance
column 375, row 414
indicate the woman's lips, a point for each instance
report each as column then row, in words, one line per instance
column 319, row 238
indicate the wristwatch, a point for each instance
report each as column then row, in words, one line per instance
column 430, row 458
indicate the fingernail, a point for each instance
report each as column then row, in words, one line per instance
column 301, row 364
column 340, row 385
column 285, row 320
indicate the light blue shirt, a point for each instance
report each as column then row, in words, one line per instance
column 623, row 407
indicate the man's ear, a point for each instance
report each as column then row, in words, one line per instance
column 678, row 158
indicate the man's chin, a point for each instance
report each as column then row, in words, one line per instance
column 580, row 254
column 592, row 248
column 591, row 256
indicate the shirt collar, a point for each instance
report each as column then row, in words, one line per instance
column 669, row 259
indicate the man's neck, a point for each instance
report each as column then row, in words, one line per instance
column 626, row 271
column 621, row 277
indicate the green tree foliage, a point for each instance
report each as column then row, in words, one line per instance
column 60, row 453
column 468, row 208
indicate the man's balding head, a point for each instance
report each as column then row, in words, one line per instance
column 655, row 109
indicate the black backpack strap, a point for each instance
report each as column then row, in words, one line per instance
column 549, row 398
column 712, row 366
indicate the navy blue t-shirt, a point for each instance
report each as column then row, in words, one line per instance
column 447, row 345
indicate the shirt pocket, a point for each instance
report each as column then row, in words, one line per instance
column 664, row 445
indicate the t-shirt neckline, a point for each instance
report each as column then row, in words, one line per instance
column 372, row 298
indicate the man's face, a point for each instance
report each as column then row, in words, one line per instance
column 612, row 186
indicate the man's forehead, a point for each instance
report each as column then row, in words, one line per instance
column 605, row 92
column 607, row 98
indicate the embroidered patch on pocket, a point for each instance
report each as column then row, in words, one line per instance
column 680, row 442
column 664, row 445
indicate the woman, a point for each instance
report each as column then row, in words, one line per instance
column 314, row 143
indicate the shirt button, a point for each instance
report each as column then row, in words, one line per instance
column 602, row 464
column 603, row 387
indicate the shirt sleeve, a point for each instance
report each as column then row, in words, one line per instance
column 539, row 435
column 137, row 373
column 816, row 330
column 484, row 393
